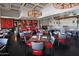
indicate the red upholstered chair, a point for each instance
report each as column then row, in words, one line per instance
column 56, row 36
column 28, row 44
column 37, row 52
column 21, row 37
column 48, row 45
column 61, row 41
column 29, row 35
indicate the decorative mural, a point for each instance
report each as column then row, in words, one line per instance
column 65, row 5
column 7, row 23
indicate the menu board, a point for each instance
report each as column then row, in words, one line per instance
column 7, row 23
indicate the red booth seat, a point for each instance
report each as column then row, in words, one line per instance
column 29, row 35
column 37, row 52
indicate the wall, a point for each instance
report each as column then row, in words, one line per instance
column 64, row 22
column 52, row 23
column 69, row 22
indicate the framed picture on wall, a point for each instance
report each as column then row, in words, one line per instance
column 7, row 23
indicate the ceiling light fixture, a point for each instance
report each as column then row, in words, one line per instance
column 34, row 14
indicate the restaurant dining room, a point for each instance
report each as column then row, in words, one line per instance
column 39, row 29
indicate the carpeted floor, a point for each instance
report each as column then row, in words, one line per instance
column 19, row 49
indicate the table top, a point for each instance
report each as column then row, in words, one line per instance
column 37, row 40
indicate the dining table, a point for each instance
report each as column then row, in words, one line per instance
column 36, row 44
column 44, row 40
column 37, row 40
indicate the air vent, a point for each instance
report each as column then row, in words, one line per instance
column 38, row 8
column 28, row 5
column 5, row 6
column 43, row 4
column 2, row 5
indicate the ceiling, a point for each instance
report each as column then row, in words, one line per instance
column 19, row 6
column 63, row 15
column 65, row 5
column 15, row 9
